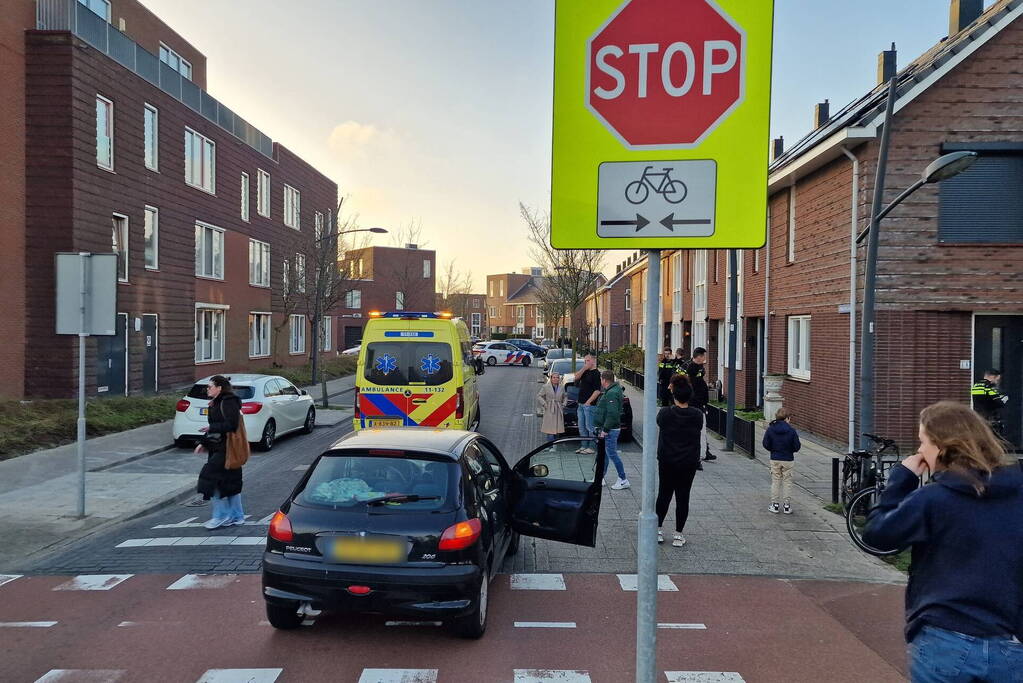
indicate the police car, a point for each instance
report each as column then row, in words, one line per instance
column 502, row 353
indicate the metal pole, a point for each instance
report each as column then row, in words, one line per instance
column 733, row 304
column 834, row 480
column 646, row 612
column 82, row 334
column 870, row 278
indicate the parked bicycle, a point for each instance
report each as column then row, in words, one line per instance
column 674, row 191
column 857, row 466
column 867, row 471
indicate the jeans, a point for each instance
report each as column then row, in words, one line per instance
column 940, row 656
column 552, row 437
column 678, row 482
column 781, row 480
column 229, row 509
column 584, row 416
column 611, row 452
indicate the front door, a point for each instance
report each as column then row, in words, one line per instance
column 353, row 335
column 998, row 345
column 150, row 362
column 112, row 360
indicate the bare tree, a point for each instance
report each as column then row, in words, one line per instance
column 453, row 288
column 411, row 233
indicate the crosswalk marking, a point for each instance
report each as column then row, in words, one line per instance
column 544, row 624
column 193, row 581
column 27, row 624
column 630, row 582
column 93, row 582
column 190, row 523
column 412, row 623
column 300, row 468
column 7, row 578
column 177, row 541
column 538, row 582
column 81, row 676
column 398, row 676
column 704, row 677
column 551, row 676
column 240, row 676
column 693, row 627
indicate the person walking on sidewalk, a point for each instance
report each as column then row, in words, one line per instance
column 550, row 405
column 696, row 372
column 218, row 479
column 666, row 369
column 608, row 421
column 963, row 601
column 588, row 381
column 782, row 441
column 679, row 447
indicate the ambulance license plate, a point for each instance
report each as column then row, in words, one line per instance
column 386, row 423
column 369, row 550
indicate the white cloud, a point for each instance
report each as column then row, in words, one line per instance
column 352, row 141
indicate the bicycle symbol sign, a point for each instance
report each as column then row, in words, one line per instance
column 656, row 198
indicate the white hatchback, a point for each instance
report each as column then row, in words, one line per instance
column 271, row 406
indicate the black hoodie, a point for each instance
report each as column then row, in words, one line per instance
column 678, row 442
column 967, row 569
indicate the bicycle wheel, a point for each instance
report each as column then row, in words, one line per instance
column 676, row 192
column 850, row 480
column 856, row 513
column 636, row 192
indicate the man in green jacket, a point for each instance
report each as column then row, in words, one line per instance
column 607, row 423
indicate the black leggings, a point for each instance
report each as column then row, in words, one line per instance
column 674, row 481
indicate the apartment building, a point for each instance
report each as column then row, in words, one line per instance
column 505, row 317
column 121, row 148
column 472, row 308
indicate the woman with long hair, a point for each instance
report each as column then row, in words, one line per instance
column 216, row 480
column 679, row 448
column 550, row 405
column 964, row 601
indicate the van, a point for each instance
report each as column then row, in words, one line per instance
column 416, row 370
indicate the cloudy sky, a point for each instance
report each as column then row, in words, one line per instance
column 439, row 111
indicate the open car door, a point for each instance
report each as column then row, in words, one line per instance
column 556, row 492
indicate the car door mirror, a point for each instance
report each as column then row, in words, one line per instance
column 303, row 392
column 539, row 470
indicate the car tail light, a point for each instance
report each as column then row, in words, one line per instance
column 360, row 590
column 280, row 528
column 460, row 536
column 460, row 405
column 183, row 406
column 358, row 411
column 251, row 407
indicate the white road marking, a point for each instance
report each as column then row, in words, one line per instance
column 412, row 623
column 544, row 624
column 630, row 582
column 81, row 676
column 189, row 524
column 129, row 624
column 249, row 540
column 240, row 676
column 192, row 581
column 538, row 582
column 704, row 677
column 398, row 676
column 551, row 676
column 266, row 520
column 27, row 624
column 190, row 540
column 93, row 582
column 7, row 578
column 693, row 627
column 300, row 468
column 178, row 525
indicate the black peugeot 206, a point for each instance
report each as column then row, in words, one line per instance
column 416, row 522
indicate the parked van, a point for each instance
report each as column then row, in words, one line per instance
column 416, row 370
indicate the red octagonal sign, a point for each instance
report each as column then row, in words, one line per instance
column 664, row 73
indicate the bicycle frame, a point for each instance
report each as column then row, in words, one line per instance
column 664, row 175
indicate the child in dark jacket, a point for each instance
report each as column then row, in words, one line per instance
column 782, row 441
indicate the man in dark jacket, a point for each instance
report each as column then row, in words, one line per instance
column 783, row 443
column 607, row 423
column 701, row 394
column 666, row 369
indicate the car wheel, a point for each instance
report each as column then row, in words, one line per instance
column 266, row 442
column 181, row 442
column 310, row 421
column 491, row 361
column 525, row 362
column 283, row 617
column 474, row 624
column 513, row 545
column 479, row 416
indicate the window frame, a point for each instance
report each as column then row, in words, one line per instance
column 326, row 333
column 204, row 144
column 427, row 268
column 109, row 108
column 292, row 207
column 215, row 310
column 181, row 61
column 353, row 299
column 265, row 338
column 155, row 213
column 262, row 193
column 300, row 283
column 796, row 369
column 200, row 259
column 399, row 300
column 88, row 4
column 264, row 263
column 246, row 196
column 151, row 145
column 125, row 233
column 296, row 333
column 790, row 240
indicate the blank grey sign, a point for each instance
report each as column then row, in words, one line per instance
column 656, row 198
column 100, row 289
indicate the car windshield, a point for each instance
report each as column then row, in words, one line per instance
column 350, row 481
column 242, row 391
column 397, row 363
column 554, row 354
column 564, row 365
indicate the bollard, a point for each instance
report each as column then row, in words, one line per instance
column 834, row 480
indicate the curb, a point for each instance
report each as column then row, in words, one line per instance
column 133, row 458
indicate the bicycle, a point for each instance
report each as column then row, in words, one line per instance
column 857, row 509
column 638, row 191
column 856, row 466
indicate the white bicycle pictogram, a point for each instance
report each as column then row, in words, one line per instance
column 638, row 191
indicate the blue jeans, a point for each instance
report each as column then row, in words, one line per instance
column 229, row 509
column 584, row 416
column 611, row 452
column 552, row 437
column 940, row 656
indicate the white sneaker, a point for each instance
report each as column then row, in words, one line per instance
column 603, row 482
column 589, row 451
column 621, row 484
column 787, row 509
column 773, row 508
column 215, row 523
column 678, row 540
column 660, row 536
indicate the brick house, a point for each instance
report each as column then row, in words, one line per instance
column 500, row 287
column 125, row 151
column 470, row 307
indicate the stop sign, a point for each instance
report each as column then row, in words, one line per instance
column 664, row 73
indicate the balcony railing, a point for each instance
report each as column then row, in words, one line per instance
column 73, row 16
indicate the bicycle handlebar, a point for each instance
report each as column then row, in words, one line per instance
column 879, row 439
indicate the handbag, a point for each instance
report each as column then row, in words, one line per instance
column 237, row 447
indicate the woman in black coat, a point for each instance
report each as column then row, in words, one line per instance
column 224, row 486
column 679, row 448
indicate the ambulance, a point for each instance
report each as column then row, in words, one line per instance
column 416, row 370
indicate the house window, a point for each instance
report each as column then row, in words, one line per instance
column 739, row 339
column 676, row 286
column 976, row 206
column 151, row 232
column 286, row 277
column 799, row 346
column 700, row 285
column 353, row 299
column 426, row 269
column 790, row 248
column 209, row 334
column 475, row 303
column 318, row 226
column 628, row 299
column 100, row 7
column 175, row 61
column 209, row 251
column 259, row 263
column 476, row 324
column 501, row 288
column 716, row 255
column 259, row 335
column 300, row 273
column 245, row 197
column 399, row 301
column 263, row 193
column 490, row 286
column 326, row 343
column 297, row 344
column 292, row 207
column 492, row 312
column 119, row 244
column 151, row 136
column 200, row 161
column 104, row 133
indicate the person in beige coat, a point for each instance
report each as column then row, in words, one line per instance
column 550, row 405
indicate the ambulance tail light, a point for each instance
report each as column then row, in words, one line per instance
column 355, row 407
column 460, row 404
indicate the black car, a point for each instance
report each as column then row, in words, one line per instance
column 527, row 345
column 416, row 522
column 571, row 417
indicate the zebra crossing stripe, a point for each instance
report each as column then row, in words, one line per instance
column 7, row 578
column 194, row 581
column 630, row 582
column 544, row 624
column 240, row 676
column 93, row 582
column 551, row 676
column 27, row 624
column 177, row 541
column 690, row 627
column 398, row 676
column 704, row 677
column 81, row 676
column 538, row 582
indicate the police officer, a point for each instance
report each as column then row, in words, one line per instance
column 681, row 362
column 666, row 368
column 701, row 393
column 988, row 400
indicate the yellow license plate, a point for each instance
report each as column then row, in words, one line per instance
column 386, row 423
column 369, row 550
column 204, row 411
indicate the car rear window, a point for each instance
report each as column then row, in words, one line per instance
column 243, row 391
column 564, row 366
column 554, row 354
column 397, row 363
column 348, row 481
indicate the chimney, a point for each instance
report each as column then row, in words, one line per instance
column 821, row 114
column 618, row 269
column 963, row 13
column 887, row 65
column 411, row 246
column 777, row 147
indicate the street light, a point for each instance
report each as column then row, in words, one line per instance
column 347, row 232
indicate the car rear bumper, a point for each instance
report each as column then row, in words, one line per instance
column 444, row 591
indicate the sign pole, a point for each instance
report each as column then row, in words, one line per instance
column 646, row 612
column 733, row 304
column 82, row 334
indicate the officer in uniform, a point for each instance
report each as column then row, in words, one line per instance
column 701, row 392
column 666, row 369
column 988, row 400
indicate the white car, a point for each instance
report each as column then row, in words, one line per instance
column 502, row 353
column 271, row 406
column 354, row 351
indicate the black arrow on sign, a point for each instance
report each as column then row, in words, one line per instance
column 640, row 222
column 670, row 221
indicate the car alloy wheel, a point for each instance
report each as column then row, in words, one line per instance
column 491, row 361
column 269, row 434
column 310, row 421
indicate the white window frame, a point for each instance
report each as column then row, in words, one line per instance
column 175, row 61
column 122, row 220
column 259, row 322
column 105, row 139
column 427, row 268
column 207, row 317
column 700, row 298
column 799, row 338
column 91, row 5
column 286, row 277
column 205, row 176
column 292, row 207
column 476, row 323
column 627, row 303
column 262, row 193
column 501, row 288
column 151, row 225
column 245, row 197
column 353, row 299
column 300, row 273
column 490, row 288
column 326, row 328
column 151, row 136
column 296, row 334
column 399, row 301
column 740, row 341
column 217, row 269
column 259, row 263
column 791, row 241
column 317, row 226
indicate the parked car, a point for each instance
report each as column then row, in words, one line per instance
column 502, row 353
column 271, row 407
column 354, row 351
column 572, row 404
column 529, row 346
column 554, row 354
column 416, row 522
column 563, row 366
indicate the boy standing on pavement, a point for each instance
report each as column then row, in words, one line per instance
column 588, row 381
column 783, row 442
column 608, row 421
column 701, row 394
